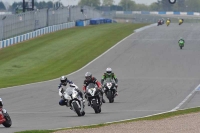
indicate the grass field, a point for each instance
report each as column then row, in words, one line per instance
column 52, row 55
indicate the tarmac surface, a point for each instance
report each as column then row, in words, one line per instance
column 154, row 76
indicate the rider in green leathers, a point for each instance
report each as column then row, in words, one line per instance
column 181, row 42
column 110, row 74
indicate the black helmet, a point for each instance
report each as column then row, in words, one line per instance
column 88, row 76
column 108, row 70
column 63, row 80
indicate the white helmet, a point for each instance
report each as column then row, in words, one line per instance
column 63, row 80
column 108, row 70
column 1, row 103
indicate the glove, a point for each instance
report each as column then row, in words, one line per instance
column 116, row 85
column 60, row 94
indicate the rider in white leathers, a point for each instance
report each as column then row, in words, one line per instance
column 62, row 86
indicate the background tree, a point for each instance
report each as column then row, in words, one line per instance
column 108, row 2
column 192, row 5
column 2, row 7
column 142, row 7
column 128, row 5
column 154, row 6
column 165, row 5
column 94, row 3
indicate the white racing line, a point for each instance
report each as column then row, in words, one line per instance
column 178, row 106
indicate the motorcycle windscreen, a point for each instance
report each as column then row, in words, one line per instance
column 69, row 90
column 91, row 85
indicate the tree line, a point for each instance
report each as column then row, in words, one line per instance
column 123, row 5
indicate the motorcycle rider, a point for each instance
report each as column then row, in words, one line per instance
column 181, row 21
column 168, row 20
column 1, row 103
column 90, row 79
column 62, row 86
column 162, row 20
column 159, row 22
column 110, row 74
column 180, row 41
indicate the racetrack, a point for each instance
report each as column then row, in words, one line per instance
column 154, row 76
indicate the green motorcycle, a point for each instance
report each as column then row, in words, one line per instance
column 181, row 44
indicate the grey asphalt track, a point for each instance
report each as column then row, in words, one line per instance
column 154, row 76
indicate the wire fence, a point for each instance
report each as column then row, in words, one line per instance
column 15, row 24
column 142, row 18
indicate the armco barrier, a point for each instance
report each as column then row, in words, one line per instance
column 39, row 32
column 82, row 22
column 100, row 21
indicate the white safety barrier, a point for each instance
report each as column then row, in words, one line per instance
column 36, row 33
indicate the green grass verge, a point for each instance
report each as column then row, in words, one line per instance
column 60, row 53
column 155, row 117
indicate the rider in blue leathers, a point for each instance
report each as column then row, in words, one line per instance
column 62, row 86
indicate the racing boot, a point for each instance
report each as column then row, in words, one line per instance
column 116, row 93
column 88, row 103
column 103, row 101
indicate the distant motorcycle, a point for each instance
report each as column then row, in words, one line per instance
column 181, row 44
column 159, row 23
column 168, row 22
column 74, row 101
column 180, row 21
column 5, row 119
column 109, row 89
column 94, row 96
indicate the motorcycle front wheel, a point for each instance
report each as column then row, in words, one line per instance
column 8, row 121
column 76, row 108
column 110, row 96
column 95, row 106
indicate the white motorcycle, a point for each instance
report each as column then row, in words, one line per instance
column 74, row 101
column 94, row 97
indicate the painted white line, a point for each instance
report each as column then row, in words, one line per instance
column 145, row 27
column 178, row 106
column 119, row 120
column 83, row 66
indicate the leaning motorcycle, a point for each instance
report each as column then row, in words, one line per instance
column 5, row 119
column 181, row 44
column 74, row 101
column 109, row 89
column 180, row 21
column 159, row 23
column 94, row 97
